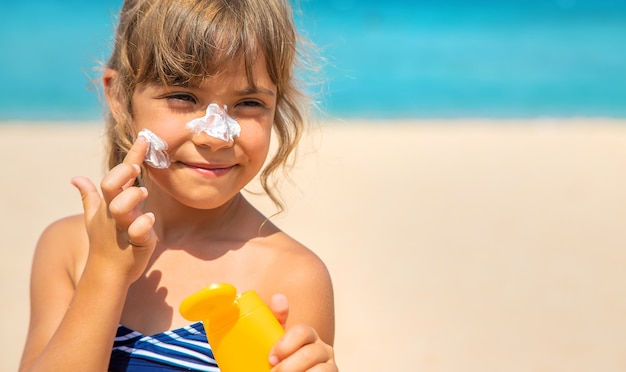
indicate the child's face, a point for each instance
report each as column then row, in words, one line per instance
column 205, row 172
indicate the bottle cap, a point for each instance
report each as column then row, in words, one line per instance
column 209, row 303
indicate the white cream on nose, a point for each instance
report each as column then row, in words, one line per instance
column 216, row 123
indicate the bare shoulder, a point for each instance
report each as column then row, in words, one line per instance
column 303, row 277
column 64, row 243
column 299, row 258
column 65, row 229
column 297, row 264
column 60, row 255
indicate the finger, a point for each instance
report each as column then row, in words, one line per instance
column 124, row 174
column 118, row 179
column 305, row 358
column 140, row 232
column 89, row 195
column 329, row 366
column 137, row 152
column 295, row 338
column 280, row 307
column 124, row 208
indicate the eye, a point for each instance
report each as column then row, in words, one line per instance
column 182, row 97
column 250, row 103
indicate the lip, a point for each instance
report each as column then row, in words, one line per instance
column 208, row 169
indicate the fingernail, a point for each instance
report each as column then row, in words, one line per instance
column 273, row 360
column 137, row 168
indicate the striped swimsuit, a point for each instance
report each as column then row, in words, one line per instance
column 182, row 349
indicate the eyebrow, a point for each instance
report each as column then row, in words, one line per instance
column 255, row 90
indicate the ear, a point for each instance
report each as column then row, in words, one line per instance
column 110, row 93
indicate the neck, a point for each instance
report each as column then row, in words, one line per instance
column 176, row 222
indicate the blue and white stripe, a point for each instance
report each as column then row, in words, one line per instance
column 183, row 349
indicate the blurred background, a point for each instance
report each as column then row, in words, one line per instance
column 383, row 59
column 467, row 189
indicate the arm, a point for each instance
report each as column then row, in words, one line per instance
column 74, row 317
column 308, row 317
column 72, row 325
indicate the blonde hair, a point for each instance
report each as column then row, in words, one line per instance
column 177, row 42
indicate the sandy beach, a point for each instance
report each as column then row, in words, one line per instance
column 469, row 245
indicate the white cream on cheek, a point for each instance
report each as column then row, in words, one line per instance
column 156, row 156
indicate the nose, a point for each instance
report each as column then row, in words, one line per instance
column 203, row 139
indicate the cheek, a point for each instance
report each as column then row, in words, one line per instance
column 171, row 130
column 255, row 139
column 159, row 121
column 255, row 135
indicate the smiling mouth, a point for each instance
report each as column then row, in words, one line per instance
column 209, row 169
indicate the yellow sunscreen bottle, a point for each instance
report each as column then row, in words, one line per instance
column 241, row 329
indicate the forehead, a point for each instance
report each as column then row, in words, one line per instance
column 236, row 76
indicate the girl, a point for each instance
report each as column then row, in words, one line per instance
column 106, row 286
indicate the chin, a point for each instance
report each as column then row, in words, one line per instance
column 210, row 203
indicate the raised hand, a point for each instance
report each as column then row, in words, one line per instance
column 121, row 238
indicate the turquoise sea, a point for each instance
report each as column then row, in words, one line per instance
column 384, row 59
